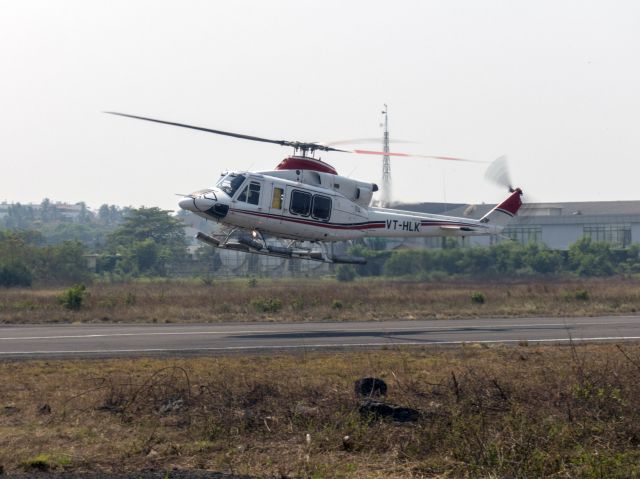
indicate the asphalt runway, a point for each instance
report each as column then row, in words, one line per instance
column 92, row 340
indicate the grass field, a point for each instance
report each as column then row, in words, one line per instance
column 321, row 300
column 524, row 411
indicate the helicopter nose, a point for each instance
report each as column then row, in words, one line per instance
column 188, row 204
column 203, row 204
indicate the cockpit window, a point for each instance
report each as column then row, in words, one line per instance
column 250, row 193
column 230, row 183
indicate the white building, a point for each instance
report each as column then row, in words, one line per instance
column 556, row 225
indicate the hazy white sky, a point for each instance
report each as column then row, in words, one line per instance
column 553, row 84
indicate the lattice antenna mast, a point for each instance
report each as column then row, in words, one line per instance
column 386, row 162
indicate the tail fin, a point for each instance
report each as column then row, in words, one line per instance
column 502, row 214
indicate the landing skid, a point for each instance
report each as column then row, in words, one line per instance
column 256, row 244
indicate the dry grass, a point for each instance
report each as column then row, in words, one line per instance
column 320, row 300
column 487, row 412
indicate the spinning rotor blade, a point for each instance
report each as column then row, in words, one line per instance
column 294, row 144
column 411, row 155
column 498, row 173
column 360, row 141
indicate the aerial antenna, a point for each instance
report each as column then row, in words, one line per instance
column 386, row 161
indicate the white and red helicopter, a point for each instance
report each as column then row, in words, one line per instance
column 304, row 200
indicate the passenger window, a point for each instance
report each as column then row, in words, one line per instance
column 243, row 194
column 254, row 193
column 276, row 202
column 321, row 208
column 300, row 203
column 250, row 193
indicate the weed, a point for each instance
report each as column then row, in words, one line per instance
column 130, row 299
column 562, row 412
column 224, row 308
column 577, row 295
column 41, row 462
column 73, row 297
column 107, row 303
column 266, row 305
column 298, row 304
column 185, row 301
column 28, row 305
column 337, row 304
column 252, row 282
column 581, row 295
column 477, row 297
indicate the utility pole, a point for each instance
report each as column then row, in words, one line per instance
column 386, row 162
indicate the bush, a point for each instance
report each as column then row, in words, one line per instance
column 73, row 297
column 41, row 462
column 337, row 304
column 477, row 297
column 581, row 295
column 266, row 305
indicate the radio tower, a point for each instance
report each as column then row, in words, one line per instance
column 386, row 162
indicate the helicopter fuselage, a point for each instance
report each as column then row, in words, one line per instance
column 276, row 203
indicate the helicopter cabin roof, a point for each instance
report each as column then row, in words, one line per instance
column 305, row 163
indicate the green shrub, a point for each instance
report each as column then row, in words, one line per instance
column 252, row 283
column 477, row 297
column 41, row 462
column 581, row 295
column 337, row 304
column 266, row 305
column 73, row 297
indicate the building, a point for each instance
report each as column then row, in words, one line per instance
column 66, row 210
column 556, row 225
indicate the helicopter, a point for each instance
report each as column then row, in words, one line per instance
column 305, row 201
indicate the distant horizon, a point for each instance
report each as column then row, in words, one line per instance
column 177, row 209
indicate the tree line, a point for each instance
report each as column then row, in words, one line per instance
column 584, row 258
column 145, row 241
column 133, row 242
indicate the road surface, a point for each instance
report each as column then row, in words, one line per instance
column 92, row 340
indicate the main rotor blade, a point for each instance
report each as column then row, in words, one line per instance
column 294, row 144
column 411, row 155
column 361, row 141
column 208, row 130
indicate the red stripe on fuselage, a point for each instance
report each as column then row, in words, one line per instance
column 377, row 224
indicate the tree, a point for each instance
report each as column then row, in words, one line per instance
column 148, row 240
column 590, row 258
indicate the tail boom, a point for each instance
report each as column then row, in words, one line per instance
column 505, row 211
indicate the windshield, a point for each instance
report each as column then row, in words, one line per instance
column 230, row 183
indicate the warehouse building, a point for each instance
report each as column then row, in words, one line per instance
column 556, row 225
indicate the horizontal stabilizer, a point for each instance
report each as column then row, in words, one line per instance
column 457, row 228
